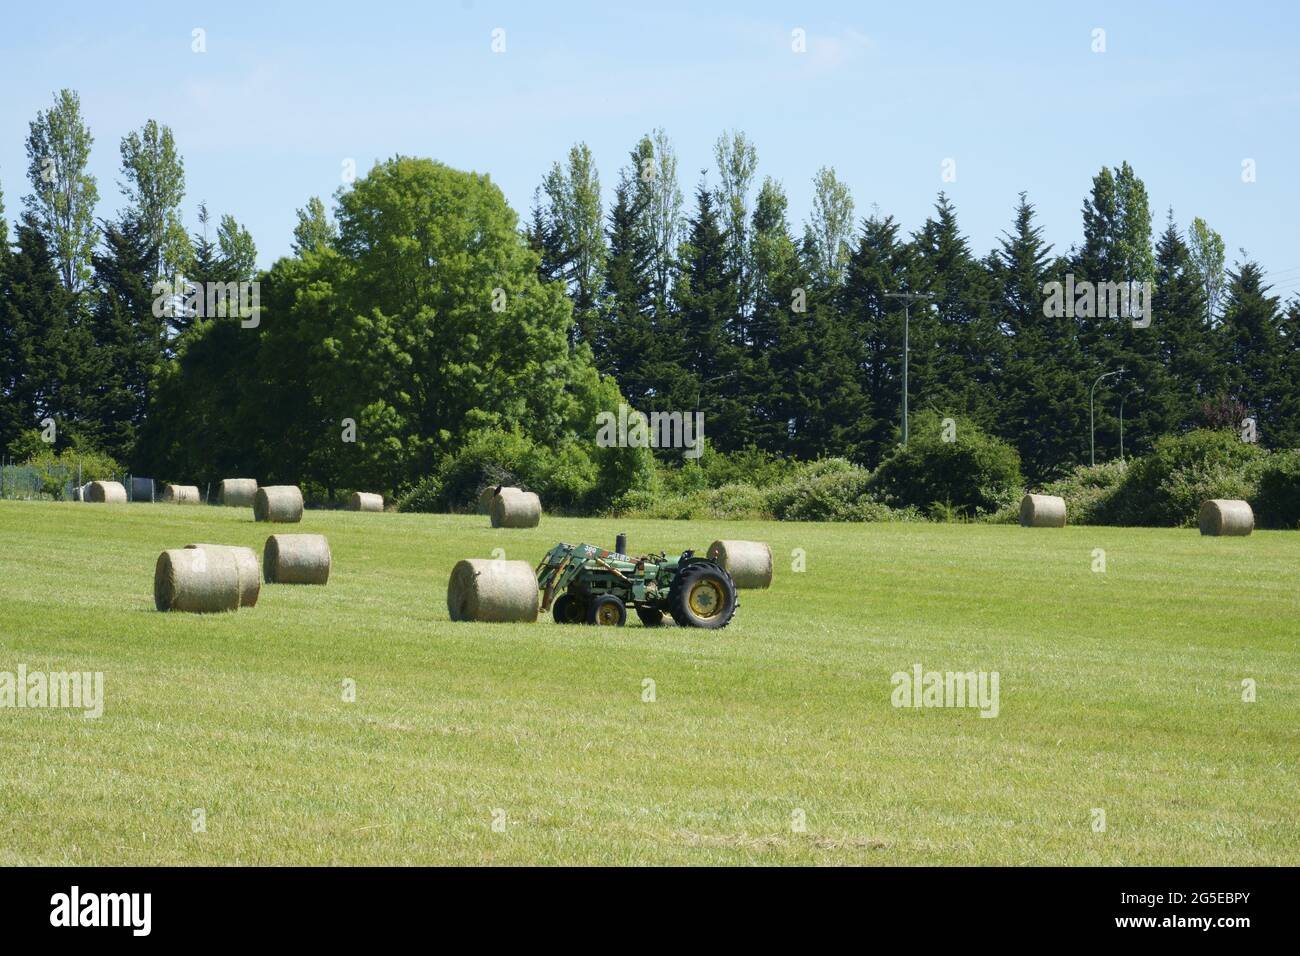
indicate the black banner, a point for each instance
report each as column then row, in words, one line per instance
column 944, row 906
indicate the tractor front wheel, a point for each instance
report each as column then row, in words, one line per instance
column 607, row 610
column 568, row 610
column 702, row 595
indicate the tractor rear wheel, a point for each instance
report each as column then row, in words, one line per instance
column 702, row 595
column 607, row 610
column 650, row 616
column 569, row 610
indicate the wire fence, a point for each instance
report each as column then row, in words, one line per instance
column 53, row 482
column 61, row 482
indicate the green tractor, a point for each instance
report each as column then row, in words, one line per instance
column 582, row 583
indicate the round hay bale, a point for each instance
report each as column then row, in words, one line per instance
column 487, row 494
column 106, row 492
column 365, row 501
column 237, row 492
column 1226, row 516
column 250, row 576
column 482, row 589
column 1042, row 511
column 748, row 562
column 200, row 580
column 512, row 508
column 296, row 559
column 181, row 495
column 281, row 504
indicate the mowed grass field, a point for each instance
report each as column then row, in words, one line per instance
column 1120, row 691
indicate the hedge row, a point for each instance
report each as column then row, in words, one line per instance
column 1166, row 488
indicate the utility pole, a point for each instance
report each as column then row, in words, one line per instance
column 1092, row 418
column 907, row 298
column 1132, row 391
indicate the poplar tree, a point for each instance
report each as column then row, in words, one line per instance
column 574, row 221
column 315, row 230
column 154, row 185
column 64, row 194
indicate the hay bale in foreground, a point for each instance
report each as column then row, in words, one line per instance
column 748, row 562
column 296, row 559
column 201, row 580
column 487, row 494
column 250, row 576
column 512, row 508
column 280, row 504
column 487, row 590
column 1042, row 511
column 1226, row 516
column 106, row 492
column 181, row 495
column 237, row 492
column 365, row 501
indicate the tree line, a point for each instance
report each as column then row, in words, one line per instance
column 418, row 311
column 792, row 341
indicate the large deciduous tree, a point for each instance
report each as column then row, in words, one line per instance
column 424, row 321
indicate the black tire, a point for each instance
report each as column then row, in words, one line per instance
column 569, row 609
column 650, row 616
column 703, row 595
column 608, row 610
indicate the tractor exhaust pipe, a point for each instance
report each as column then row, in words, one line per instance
column 620, row 542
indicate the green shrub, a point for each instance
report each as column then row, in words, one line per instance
column 684, row 479
column 622, row 471
column 488, row 457
column 809, row 470
column 1277, row 495
column 1087, row 491
column 28, row 445
column 425, row 496
column 822, row 494
column 55, row 470
column 564, row 476
column 714, row 469
column 1166, row 487
column 972, row 475
column 832, row 494
column 738, row 502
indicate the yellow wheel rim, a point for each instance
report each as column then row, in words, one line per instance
column 705, row 598
column 607, row 614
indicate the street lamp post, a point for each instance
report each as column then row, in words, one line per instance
column 1131, row 391
column 1092, row 418
column 907, row 298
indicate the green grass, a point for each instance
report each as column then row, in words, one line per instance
column 1119, row 691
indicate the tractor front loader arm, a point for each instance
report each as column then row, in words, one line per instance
column 556, row 572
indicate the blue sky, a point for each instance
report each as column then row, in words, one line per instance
column 885, row 93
